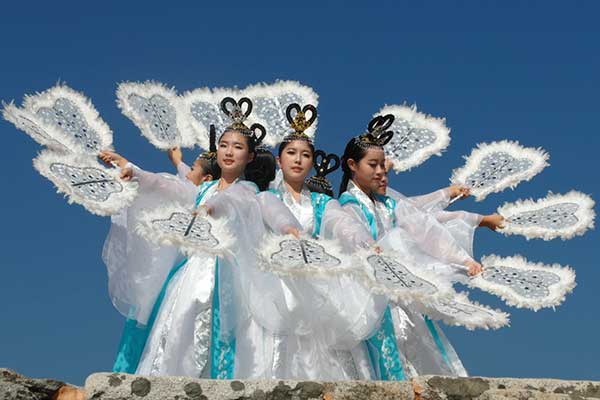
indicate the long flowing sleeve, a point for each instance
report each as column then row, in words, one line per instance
column 430, row 235
column 276, row 215
column 182, row 170
column 137, row 268
column 344, row 225
column 431, row 202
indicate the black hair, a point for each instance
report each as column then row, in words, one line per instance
column 352, row 151
column 316, row 188
column 283, row 145
column 261, row 170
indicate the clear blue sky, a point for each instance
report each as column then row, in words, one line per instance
column 528, row 71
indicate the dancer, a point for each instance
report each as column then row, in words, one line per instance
column 419, row 237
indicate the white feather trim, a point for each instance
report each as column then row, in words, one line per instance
column 33, row 103
column 147, row 90
column 28, row 123
column 404, row 296
column 477, row 316
column 557, row 292
column 212, row 99
column 585, row 215
column 279, row 127
column 538, row 157
column 115, row 202
column 271, row 245
column 219, row 230
column 418, row 120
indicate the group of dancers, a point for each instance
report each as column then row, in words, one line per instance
column 219, row 314
column 330, row 328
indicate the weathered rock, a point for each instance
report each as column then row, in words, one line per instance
column 102, row 387
column 475, row 388
column 17, row 387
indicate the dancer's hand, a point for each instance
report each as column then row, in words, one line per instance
column 294, row 232
column 110, row 157
column 493, row 221
column 457, row 190
column 175, row 156
column 474, row 268
column 127, row 174
column 377, row 250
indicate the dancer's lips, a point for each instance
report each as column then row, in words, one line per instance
column 228, row 161
column 296, row 169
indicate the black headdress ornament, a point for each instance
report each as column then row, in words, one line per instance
column 298, row 122
column 235, row 110
column 324, row 164
column 211, row 154
column 377, row 134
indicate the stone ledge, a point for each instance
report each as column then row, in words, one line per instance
column 109, row 386
column 123, row 386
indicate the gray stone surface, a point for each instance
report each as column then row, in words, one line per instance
column 122, row 386
column 17, row 387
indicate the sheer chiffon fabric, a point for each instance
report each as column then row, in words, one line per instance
column 425, row 236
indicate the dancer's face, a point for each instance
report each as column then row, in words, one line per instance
column 233, row 153
column 296, row 161
column 383, row 184
column 368, row 171
column 196, row 175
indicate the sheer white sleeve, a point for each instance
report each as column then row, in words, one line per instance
column 343, row 223
column 276, row 215
column 436, row 201
column 182, row 170
column 430, row 235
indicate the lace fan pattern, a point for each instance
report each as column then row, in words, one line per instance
column 84, row 181
column 496, row 166
column 555, row 215
column 524, row 284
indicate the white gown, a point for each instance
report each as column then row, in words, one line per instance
column 425, row 236
column 343, row 311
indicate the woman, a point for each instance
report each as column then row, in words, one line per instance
column 344, row 311
column 417, row 236
column 217, row 316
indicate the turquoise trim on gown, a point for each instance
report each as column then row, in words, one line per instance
column 135, row 336
column 382, row 346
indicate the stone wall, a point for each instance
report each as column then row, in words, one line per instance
column 107, row 386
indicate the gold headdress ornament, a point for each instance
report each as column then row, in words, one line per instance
column 235, row 111
column 377, row 134
column 324, row 164
column 298, row 122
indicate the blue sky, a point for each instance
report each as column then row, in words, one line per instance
column 526, row 71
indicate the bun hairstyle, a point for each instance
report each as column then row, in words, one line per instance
column 376, row 136
column 261, row 170
column 324, row 164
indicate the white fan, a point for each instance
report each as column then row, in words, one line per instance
column 493, row 167
column 524, row 284
column 417, row 136
column 69, row 118
column 85, row 181
column 192, row 232
column 556, row 215
column 158, row 112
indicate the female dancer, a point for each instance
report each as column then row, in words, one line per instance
column 418, row 236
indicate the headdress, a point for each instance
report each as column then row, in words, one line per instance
column 235, row 111
column 322, row 164
column 377, row 134
column 299, row 123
